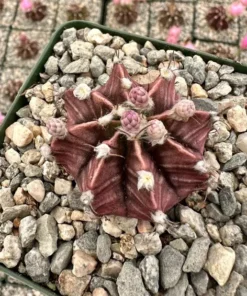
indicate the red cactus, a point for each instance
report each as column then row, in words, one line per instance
column 127, row 164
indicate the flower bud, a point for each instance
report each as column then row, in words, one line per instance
column 82, row 91
column 131, row 121
column 184, row 109
column 57, row 128
column 139, row 97
column 156, row 132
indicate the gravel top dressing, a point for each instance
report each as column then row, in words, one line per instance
column 114, row 135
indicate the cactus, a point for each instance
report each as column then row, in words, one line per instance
column 140, row 159
column 218, row 18
column 37, row 12
column 26, row 48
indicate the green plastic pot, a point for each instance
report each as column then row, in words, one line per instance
column 33, row 78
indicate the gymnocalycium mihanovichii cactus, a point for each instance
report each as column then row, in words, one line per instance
column 134, row 150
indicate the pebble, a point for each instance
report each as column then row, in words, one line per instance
column 194, row 219
column 50, row 171
column 50, row 201
column 51, row 66
column 96, row 36
column 12, row 171
column 133, row 67
column 70, row 285
column 36, row 189
column 156, row 56
column 19, row 211
column 241, row 291
column 228, row 180
column 237, row 119
column 225, row 69
column 32, row 171
column 129, row 282
column 104, row 52
column 190, row 291
column 205, row 104
column 198, row 92
column 64, row 61
column 81, row 259
column 171, row 263
column 77, row 67
column 230, row 288
column 220, row 262
column 12, row 156
column 62, row 214
column 200, row 282
column 241, row 260
column 10, row 255
column 109, row 226
column 213, row 66
column 59, row 48
column 66, row 232
column 236, row 79
column 127, row 246
column 99, row 292
column 37, row 266
column 69, row 36
column 6, row 198
column 241, row 195
column 213, row 197
column 80, row 49
column 181, row 86
column 104, row 248
column 131, row 48
column 62, row 257
column 47, row 235
column 6, row 227
column 213, row 232
column 228, row 201
column 97, row 66
column 241, row 142
column 180, row 245
column 180, row 288
column 236, row 161
column 111, row 269
column 214, row 212
column 184, row 231
column 223, row 151
column 231, row 235
column 212, row 80
column 197, row 69
column 128, row 225
column 88, row 243
column 62, row 186
column 241, row 221
column 31, row 156
column 149, row 268
column 148, row 243
column 220, row 90
column 197, row 255
column 27, row 231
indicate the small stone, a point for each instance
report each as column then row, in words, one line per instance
column 213, row 66
column 104, row 52
column 36, row 189
column 50, row 171
column 200, row 282
column 32, row 171
column 241, row 291
column 81, row 49
column 144, row 226
column 212, row 79
column 62, row 186
column 227, row 201
column 223, row 151
column 133, row 67
column 198, row 92
column 171, row 262
column 87, row 243
column 213, row 232
column 221, row 90
column 148, row 243
column 242, row 142
column 109, row 226
column 190, row 291
column 237, row 118
column 205, row 104
column 149, row 268
column 67, row 80
column 12, row 171
column 184, row 231
column 69, row 36
column 102, row 79
column 230, row 288
column 220, row 263
column 59, row 48
column 111, row 269
column 31, row 156
column 180, row 288
column 66, row 232
column 77, row 67
column 231, row 235
column 131, row 48
column 241, row 260
column 97, row 66
column 104, row 248
column 22, row 136
column 46, row 235
column 62, row 214
column 127, row 246
column 180, row 245
column 181, row 86
column 241, row 221
column 241, row 195
column 11, row 252
column 12, row 156
column 215, row 213
column 6, row 227
column 236, row 161
column 80, row 259
column 228, row 180
column 197, row 255
column 128, row 225
column 51, row 66
column 213, row 197
column 237, row 79
column 6, row 198
column 37, row 266
column 50, row 201
column 64, row 61
column 197, row 69
column 61, row 258
column 156, row 56
column 27, row 231
column 129, row 282
column 99, row 292
column 225, row 69
column 195, row 220
column 20, row 211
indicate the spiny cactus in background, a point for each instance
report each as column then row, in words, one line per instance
column 26, row 49
column 12, row 87
column 1, row 5
column 218, row 18
column 222, row 51
column 37, row 12
column 134, row 150
column 125, row 11
column 171, row 15
column 77, row 12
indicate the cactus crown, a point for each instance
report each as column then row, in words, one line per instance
column 126, row 14
column 26, row 48
column 38, row 11
column 77, row 12
column 12, row 87
column 132, row 148
column 171, row 15
column 217, row 18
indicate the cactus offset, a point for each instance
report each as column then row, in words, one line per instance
column 140, row 159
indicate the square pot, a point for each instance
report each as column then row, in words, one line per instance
column 157, row 30
column 34, row 78
column 139, row 26
column 204, row 32
column 46, row 24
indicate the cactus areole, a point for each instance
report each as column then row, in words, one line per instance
column 132, row 149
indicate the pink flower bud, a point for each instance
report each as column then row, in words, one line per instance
column 185, row 109
column 57, row 128
column 172, row 39
column 26, row 5
column 236, row 9
column 244, row 2
column 131, row 121
column 243, row 43
column 139, row 97
column 174, row 31
column 156, row 132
